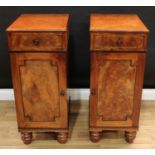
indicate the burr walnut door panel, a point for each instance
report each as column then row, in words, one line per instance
column 116, row 83
column 40, row 87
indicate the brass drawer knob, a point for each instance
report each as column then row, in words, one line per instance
column 36, row 42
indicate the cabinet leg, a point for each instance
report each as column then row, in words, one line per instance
column 95, row 136
column 62, row 137
column 130, row 136
column 26, row 137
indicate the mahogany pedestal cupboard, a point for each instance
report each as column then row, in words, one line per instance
column 118, row 49
column 38, row 50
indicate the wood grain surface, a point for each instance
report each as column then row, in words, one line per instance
column 115, row 99
column 114, row 80
column 39, row 71
column 118, row 49
column 40, row 89
column 117, row 22
column 108, row 41
column 38, row 80
column 38, row 41
column 40, row 22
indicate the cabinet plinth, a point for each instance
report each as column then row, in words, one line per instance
column 38, row 51
column 118, row 46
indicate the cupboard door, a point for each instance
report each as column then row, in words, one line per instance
column 116, row 84
column 40, row 89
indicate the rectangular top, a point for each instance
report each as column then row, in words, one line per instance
column 40, row 22
column 117, row 22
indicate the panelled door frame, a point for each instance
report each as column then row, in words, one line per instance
column 18, row 60
column 138, row 60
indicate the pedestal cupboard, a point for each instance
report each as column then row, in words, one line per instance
column 118, row 49
column 38, row 50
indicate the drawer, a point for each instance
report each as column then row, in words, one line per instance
column 37, row 41
column 118, row 41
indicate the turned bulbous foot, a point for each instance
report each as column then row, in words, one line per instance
column 26, row 137
column 130, row 136
column 95, row 136
column 62, row 137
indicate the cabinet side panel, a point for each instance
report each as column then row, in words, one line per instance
column 17, row 89
column 138, row 88
column 93, row 86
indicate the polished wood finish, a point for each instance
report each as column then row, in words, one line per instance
column 40, row 22
column 62, row 137
column 117, row 70
column 78, row 135
column 95, row 136
column 118, row 41
column 113, row 82
column 26, row 137
column 117, row 23
column 34, row 41
column 40, row 78
column 130, row 136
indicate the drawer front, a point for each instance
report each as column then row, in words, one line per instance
column 118, row 41
column 38, row 41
